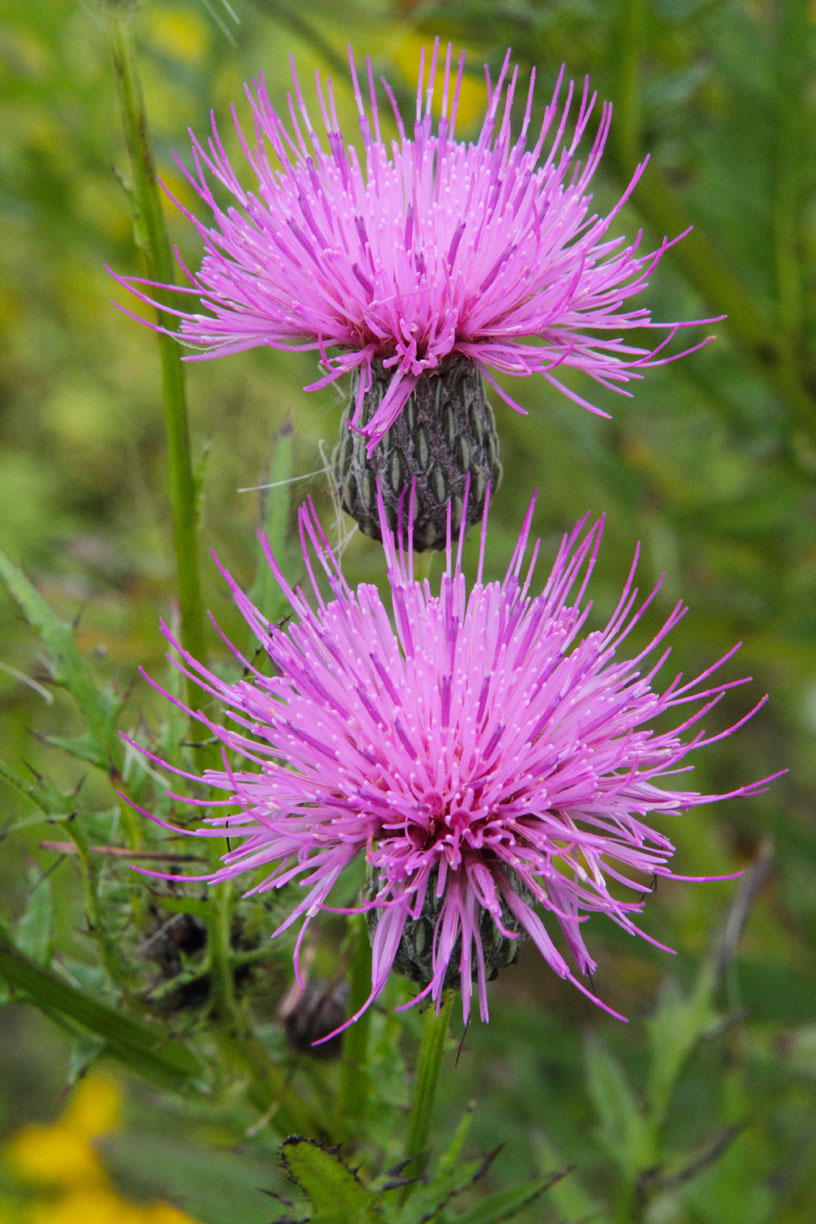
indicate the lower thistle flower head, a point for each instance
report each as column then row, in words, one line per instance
column 496, row 764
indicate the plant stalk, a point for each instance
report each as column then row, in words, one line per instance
column 631, row 42
column 151, row 238
column 429, row 1063
column 791, row 70
column 352, row 1090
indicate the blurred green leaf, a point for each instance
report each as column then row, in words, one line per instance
column 99, row 709
column 622, row 1127
column 198, row 906
column 276, row 503
column 799, row 1048
column 569, row 1197
column 33, row 929
column 674, row 1029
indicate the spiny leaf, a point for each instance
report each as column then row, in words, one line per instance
column 40, row 795
column 428, row 1199
column 33, row 935
column 335, row 1192
column 505, row 1204
column 83, row 747
column 99, row 708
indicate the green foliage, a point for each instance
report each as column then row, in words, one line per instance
column 139, row 1047
column 701, row 1108
column 100, row 744
column 275, row 515
column 621, row 1125
column 336, row 1193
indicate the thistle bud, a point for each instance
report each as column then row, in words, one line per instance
column 414, row 956
column 311, row 1012
column 444, row 435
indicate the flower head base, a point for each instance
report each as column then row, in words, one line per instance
column 487, row 756
column 443, row 445
column 414, row 957
column 411, row 250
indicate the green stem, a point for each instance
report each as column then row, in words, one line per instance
column 144, row 1048
column 352, row 1089
column 434, row 1032
column 629, row 52
column 423, row 564
column 151, row 237
column 791, row 76
column 219, row 942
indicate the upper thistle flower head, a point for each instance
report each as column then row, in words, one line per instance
column 402, row 256
column 503, row 771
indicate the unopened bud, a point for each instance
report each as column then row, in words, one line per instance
column 414, row 958
column 443, row 443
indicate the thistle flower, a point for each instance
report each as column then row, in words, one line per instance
column 495, row 764
column 410, row 256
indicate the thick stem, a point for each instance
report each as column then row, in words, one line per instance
column 352, row 1090
column 791, row 60
column 423, row 565
column 151, row 237
column 219, row 936
column 434, row 1032
column 630, row 46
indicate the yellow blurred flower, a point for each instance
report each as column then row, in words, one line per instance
column 181, row 34
column 54, row 1155
column 101, row 1205
column 96, row 1106
column 61, row 1159
column 62, row 1153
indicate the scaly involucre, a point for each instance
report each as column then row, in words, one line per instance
column 478, row 748
column 421, row 246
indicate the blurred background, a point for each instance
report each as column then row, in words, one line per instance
column 710, row 465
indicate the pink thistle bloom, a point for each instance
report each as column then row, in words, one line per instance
column 410, row 250
column 494, row 762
